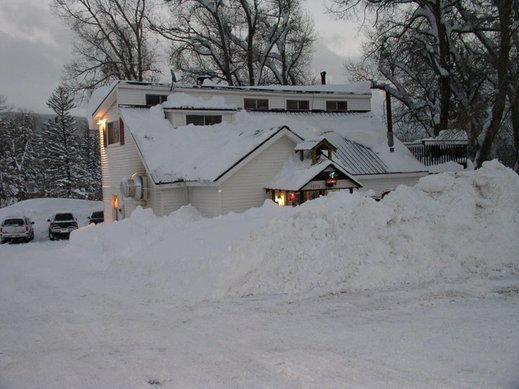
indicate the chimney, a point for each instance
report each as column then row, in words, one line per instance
column 323, row 78
column 389, row 117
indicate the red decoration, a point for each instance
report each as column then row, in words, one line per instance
column 331, row 182
column 292, row 197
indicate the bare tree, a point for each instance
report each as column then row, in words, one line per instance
column 241, row 42
column 447, row 62
column 112, row 41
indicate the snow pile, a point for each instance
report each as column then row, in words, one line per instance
column 450, row 226
column 180, row 100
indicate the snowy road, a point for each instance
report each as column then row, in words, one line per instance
column 60, row 331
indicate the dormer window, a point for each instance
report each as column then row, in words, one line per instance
column 315, row 148
column 336, row 106
column 256, row 104
column 203, row 120
column 152, row 100
column 298, row 105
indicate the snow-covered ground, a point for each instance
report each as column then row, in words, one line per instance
column 39, row 210
column 419, row 290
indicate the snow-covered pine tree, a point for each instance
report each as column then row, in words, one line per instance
column 17, row 157
column 90, row 165
column 61, row 146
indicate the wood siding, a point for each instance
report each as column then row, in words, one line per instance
column 206, row 199
column 118, row 162
column 137, row 96
column 246, row 188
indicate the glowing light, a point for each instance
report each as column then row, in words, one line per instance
column 101, row 122
column 280, row 199
column 115, row 202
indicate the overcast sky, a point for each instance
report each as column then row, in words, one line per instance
column 34, row 46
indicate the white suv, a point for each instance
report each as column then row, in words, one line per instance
column 16, row 229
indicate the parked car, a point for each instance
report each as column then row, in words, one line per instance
column 97, row 217
column 61, row 225
column 16, row 229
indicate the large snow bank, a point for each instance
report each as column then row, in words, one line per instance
column 450, row 226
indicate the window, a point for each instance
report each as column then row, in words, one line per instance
column 155, row 99
column 337, row 106
column 13, row 222
column 256, row 104
column 298, row 105
column 112, row 132
column 203, row 120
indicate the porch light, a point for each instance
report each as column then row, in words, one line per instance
column 280, row 199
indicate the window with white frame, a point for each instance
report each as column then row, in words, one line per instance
column 336, row 106
column 256, row 104
column 298, row 105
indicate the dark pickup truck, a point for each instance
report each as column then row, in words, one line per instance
column 61, row 225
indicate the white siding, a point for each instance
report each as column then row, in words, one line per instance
column 206, row 199
column 246, row 188
column 118, row 162
column 171, row 200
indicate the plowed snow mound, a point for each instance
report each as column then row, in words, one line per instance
column 449, row 226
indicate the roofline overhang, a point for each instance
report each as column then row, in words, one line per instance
column 418, row 173
column 93, row 115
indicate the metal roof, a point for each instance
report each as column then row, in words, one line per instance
column 357, row 159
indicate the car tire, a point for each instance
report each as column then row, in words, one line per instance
column 2, row 241
column 51, row 236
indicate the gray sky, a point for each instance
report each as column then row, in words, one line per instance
column 34, row 47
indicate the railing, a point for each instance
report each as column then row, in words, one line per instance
column 435, row 154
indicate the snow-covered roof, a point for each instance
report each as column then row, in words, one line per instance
column 445, row 136
column 360, row 136
column 180, row 100
column 98, row 96
column 205, row 153
column 357, row 88
column 193, row 153
column 306, row 145
column 295, row 173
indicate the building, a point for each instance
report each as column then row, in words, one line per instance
column 450, row 146
column 227, row 149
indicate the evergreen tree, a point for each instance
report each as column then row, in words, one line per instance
column 90, row 166
column 17, row 157
column 61, row 153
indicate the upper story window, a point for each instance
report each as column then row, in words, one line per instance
column 336, row 106
column 112, row 132
column 256, row 104
column 298, row 105
column 155, row 99
column 203, row 120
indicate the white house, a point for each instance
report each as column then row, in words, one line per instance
column 224, row 149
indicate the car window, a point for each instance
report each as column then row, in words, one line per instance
column 63, row 216
column 97, row 215
column 13, row 222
